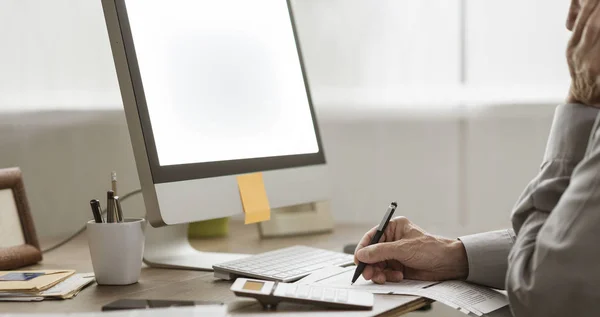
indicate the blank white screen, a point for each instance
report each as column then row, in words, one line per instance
column 222, row 79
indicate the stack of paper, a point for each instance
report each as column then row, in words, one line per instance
column 466, row 297
column 38, row 285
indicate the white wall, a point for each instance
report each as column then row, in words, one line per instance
column 363, row 58
column 517, row 43
column 453, row 174
column 404, row 53
column 503, row 152
column 379, row 51
column 66, row 159
column 55, row 54
column 390, row 156
column 359, row 53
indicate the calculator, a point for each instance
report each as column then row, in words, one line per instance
column 270, row 293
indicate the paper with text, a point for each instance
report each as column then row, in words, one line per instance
column 343, row 279
column 462, row 296
column 474, row 298
column 69, row 287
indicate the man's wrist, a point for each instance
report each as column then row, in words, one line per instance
column 571, row 95
column 458, row 261
column 571, row 98
column 593, row 102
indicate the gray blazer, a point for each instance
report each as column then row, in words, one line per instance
column 549, row 263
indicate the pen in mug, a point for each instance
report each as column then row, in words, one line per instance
column 110, row 207
column 96, row 210
column 119, row 209
column 113, row 182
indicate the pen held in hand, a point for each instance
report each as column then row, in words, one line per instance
column 376, row 237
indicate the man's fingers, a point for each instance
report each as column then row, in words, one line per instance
column 421, row 275
column 584, row 15
column 366, row 240
column 392, row 275
column 378, row 252
column 573, row 13
column 378, row 276
column 371, row 272
column 368, row 272
column 591, row 29
column 395, row 265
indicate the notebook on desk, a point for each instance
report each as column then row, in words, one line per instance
column 66, row 289
column 31, row 281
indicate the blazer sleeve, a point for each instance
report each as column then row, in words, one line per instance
column 553, row 265
column 488, row 252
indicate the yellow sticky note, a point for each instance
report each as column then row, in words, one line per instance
column 254, row 197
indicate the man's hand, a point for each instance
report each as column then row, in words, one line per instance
column 583, row 52
column 406, row 251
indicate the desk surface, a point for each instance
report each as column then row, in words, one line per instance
column 198, row 285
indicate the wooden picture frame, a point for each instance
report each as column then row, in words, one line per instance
column 19, row 245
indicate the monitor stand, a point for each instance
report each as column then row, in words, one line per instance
column 169, row 247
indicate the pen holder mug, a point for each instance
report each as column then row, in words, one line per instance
column 117, row 250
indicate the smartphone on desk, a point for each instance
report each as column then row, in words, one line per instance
column 123, row 304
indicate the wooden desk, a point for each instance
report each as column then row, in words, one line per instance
column 198, row 285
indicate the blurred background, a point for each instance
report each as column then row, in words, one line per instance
column 444, row 105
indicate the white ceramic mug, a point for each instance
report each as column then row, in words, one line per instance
column 117, row 250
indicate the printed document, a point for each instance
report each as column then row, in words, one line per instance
column 463, row 296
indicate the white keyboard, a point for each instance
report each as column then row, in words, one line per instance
column 283, row 265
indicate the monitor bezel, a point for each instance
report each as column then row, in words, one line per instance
column 182, row 172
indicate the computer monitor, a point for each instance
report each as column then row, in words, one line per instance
column 213, row 89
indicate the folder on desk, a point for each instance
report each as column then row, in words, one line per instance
column 66, row 289
column 70, row 287
column 46, row 280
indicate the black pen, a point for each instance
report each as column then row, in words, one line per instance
column 95, row 204
column 380, row 230
column 110, row 206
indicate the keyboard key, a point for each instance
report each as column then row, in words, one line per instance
column 342, row 296
column 329, row 294
column 293, row 262
column 312, row 268
column 302, row 291
column 291, row 290
column 316, row 293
